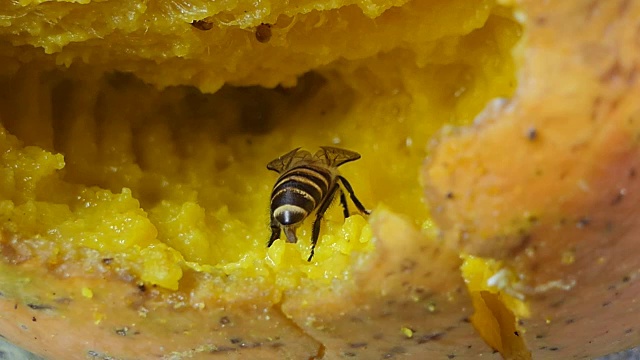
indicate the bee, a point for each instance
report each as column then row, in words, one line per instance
column 308, row 183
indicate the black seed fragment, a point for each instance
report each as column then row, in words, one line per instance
column 632, row 173
column 357, row 345
column 540, row 20
column 606, row 303
column 626, row 278
column 122, row 332
column 570, row 321
column 608, row 227
column 557, row 304
column 142, row 287
column 516, row 333
column 225, row 320
column 39, row 306
column 449, row 195
column 107, row 261
column 250, row 345
column 92, row 353
column 263, row 33
column 532, row 133
column 619, row 196
column 539, row 336
column 63, row 301
column 235, row 340
column 407, row 265
column 466, row 320
column 554, row 348
column 222, row 349
column 15, row 306
column 583, row 222
column 430, row 337
column 202, row 25
column 628, row 331
column 34, row 319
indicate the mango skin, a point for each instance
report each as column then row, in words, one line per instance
column 123, row 321
column 397, row 306
column 408, row 300
column 548, row 180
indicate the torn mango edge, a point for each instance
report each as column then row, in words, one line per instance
column 499, row 304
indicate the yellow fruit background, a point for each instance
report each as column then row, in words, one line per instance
column 135, row 134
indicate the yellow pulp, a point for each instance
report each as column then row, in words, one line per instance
column 167, row 183
column 498, row 301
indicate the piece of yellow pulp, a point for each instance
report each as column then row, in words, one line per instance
column 498, row 303
column 165, row 183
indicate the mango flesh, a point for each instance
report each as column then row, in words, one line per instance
column 557, row 204
column 171, row 181
column 166, row 189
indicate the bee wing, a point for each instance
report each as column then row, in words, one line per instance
column 285, row 161
column 335, row 156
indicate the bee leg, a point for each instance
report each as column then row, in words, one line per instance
column 345, row 206
column 315, row 233
column 353, row 196
column 275, row 231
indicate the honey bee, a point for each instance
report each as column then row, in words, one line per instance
column 308, row 183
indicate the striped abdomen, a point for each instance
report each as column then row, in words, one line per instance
column 298, row 192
